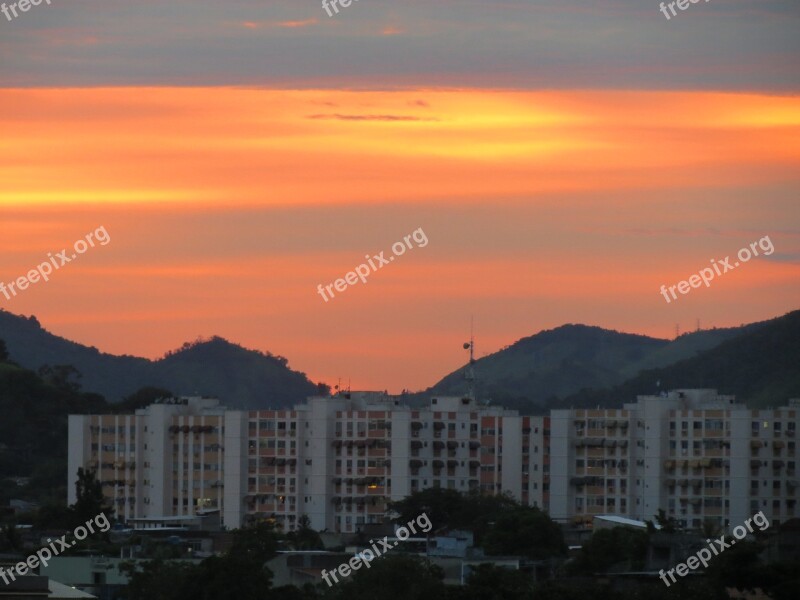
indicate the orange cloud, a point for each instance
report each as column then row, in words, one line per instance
column 89, row 146
column 293, row 24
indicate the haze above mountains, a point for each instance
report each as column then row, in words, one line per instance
column 568, row 365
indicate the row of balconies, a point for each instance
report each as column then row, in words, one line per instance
column 695, row 482
column 358, row 480
column 365, row 443
column 359, row 500
column 191, row 428
column 787, row 433
column 276, row 461
column 756, row 464
column 271, row 489
column 271, row 433
column 588, row 480
column 118, row 464
column 759, row 444
column 382, row 470
column 118, row 482
column 581, row 424
column 694, row 463
column 600, row 443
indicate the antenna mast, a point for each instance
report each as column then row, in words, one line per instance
column 469, row 372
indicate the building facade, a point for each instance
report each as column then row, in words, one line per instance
column 695, row 454
column 341, row 460
column 165, row 460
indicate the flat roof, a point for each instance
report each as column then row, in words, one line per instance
column 624, row 521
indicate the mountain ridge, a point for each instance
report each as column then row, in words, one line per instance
column 205, row 366
column 561, row 361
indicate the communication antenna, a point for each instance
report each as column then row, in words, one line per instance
column 469, row 371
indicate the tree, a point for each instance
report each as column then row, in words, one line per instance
column 59, row 377
column 157, row 579
column 608, row 547
column 667, row 524
column 391, row 577
column 3, row 351
column 527, row 531
column 304, row 538
column 711, row 529
column 443, row 506
column 90, row 500
column 11, row 538
column 227, row 578
column 450, row 509
column 257, row 543
column 139, row 399
column 489, row 582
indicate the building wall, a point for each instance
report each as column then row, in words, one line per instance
column 695, row 454
column 158, row 462
column 340, row 460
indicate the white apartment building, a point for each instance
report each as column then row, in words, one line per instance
column 693, row 453
column 339, row 459
column 165, row 460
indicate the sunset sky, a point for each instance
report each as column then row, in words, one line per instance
column 564, row 158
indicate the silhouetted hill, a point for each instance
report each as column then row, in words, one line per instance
column 558, row 362
column 33, row 430
column 761, row 367
column 241, row 378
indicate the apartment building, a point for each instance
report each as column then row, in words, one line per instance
column 339, row 460
column 693, row 453
column 165, row 460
